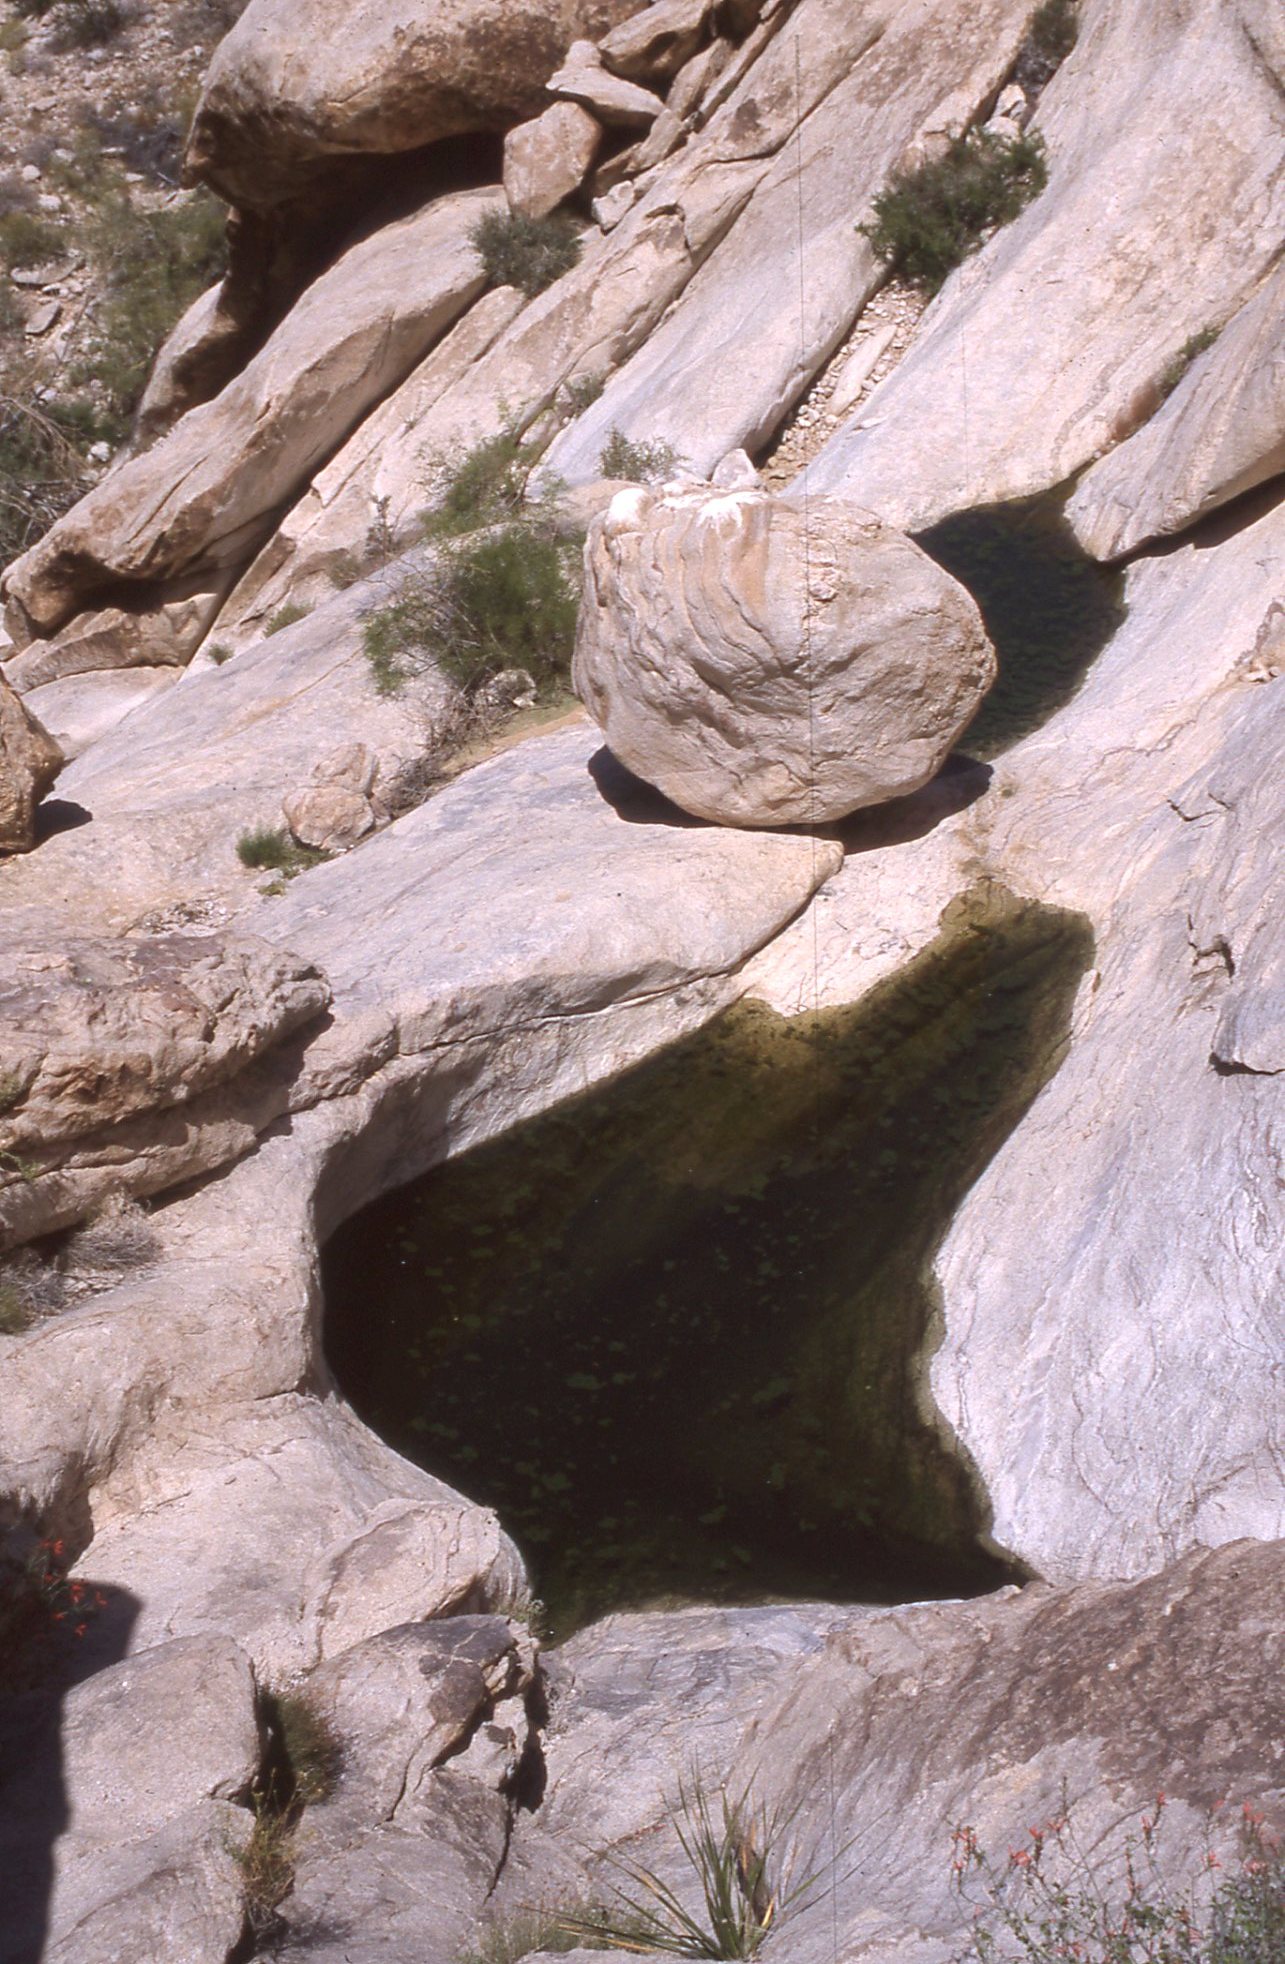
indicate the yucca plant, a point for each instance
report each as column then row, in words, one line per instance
column 734, row 1848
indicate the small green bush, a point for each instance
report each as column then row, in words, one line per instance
column 486, row 487
column 14, row 36
column 530, row 253
column 642, row 463
column 219, row 653
column 511, row 600
column 1052, row 34
column 16, row 1313
column 88, row 23
column 312, row 1749
column 401, row 639
column 42, row 465
column 153, row 263
column 580, row 393
column 927, row 221
column 1194, row 345
column 26, row 240
column 270, row 849
column 285, row 617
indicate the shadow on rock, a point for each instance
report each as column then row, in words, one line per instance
column 637, row 803
column 34, row 1809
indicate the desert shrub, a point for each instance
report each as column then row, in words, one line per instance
column 312, row 1750
column 506, row 1939
column 270, row 849
column 16, row 1312
column 42, row 465
column 927, row 221
column 487, row 486
column 530, row 253
column 401, row 638
column 203, row 21
column 511, row 599
column 642, row 462
column 14, row 35
column 580, row 393
column 1194, row 345
column 148, row 137
column 1052, row 34
column 88, row 23
column 154, row 264
column 117, row 1238
column 28, row 240
column 266, row 1860
column 285, row 617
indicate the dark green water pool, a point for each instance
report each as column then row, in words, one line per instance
column 1048, row 608
column 674, row 1329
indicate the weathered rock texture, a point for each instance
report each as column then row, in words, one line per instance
column 844, row 93
column 203, row 495
column 860, row 96
column 1101, row 1276
column 876, row 1733
column 278, row 103
column 432, row 1723
column 769, row 662
column 1221, row 433
column 124, row 1064
column 30, row 760
column 135, row 1778
column 1166, row 147
column 547, row 159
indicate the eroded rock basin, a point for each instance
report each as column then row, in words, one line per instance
column 673, row 1330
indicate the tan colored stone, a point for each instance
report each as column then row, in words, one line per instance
column 117, row 1055
column 30, row 760
column 655, row 43
column 829, row 108
column 161, row 632
column 549, row 158
column 280, row 106
column 330, row 817
column 205, row 494
column 1221, row 433
column 615, row 102
column 763, row 663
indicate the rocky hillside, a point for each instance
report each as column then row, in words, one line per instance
column 914, row 368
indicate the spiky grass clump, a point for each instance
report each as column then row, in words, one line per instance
column 734, row 1850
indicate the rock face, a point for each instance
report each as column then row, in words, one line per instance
column 117, row 1057
column 769, row 662
column 203, row 494
column 30, row 760
column 279, row 103
column 549, row 158
column 139, row 1772
column 877, row 1732
column 1221, row 433
column 833, row 104
column 614, row 101
column 1166, row 159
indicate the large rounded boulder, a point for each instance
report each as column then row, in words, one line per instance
column 773, row 660
column 292, row 87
